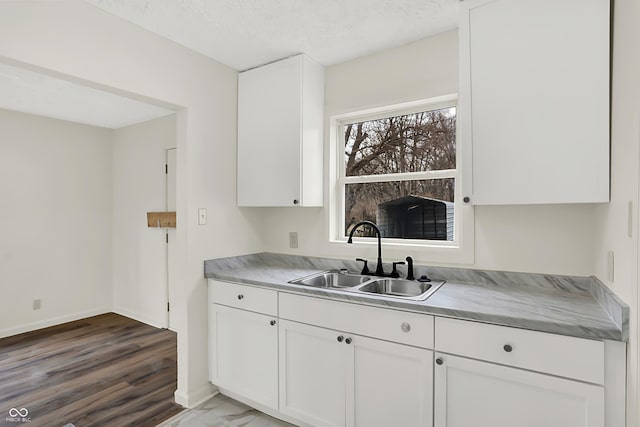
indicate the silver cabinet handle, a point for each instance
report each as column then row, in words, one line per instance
column 406, row 327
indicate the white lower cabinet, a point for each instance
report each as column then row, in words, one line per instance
column 313, row 368
column 298, row 358
column 497, row 376
column 471, row 393
column 244, row 353
column 332, row 378
column 392, row 384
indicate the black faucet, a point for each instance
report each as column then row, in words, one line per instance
column 410, row 268
column 379, row 270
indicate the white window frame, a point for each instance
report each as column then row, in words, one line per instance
column 461, row 249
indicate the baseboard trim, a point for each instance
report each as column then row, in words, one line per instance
column 191, row 399
column 41, row 324
column 140, row 318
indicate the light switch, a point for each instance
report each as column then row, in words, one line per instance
column 202, row 216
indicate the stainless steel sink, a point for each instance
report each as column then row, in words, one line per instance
column 332, row 279
column 400, row 288
column 372, row 285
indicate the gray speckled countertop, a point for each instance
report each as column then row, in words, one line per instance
column 575, row 306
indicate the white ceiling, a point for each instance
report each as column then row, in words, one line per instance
column 36, row 93
column 246, row 33
column 239, row 33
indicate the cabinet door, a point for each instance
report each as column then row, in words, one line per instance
column 312, row 374
column 244, row 353
column 269, row 134
column 534, row 101
column 470, row 393
column 390, row 384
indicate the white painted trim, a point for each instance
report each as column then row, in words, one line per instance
column 409, row 107
column 191, row 399
column 408, row 176
column 615, row 383
column 461, row 250
column 28, row 327
column 139, row 317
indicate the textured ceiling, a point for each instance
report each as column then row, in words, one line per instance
column 240, row 33
column 34, row 93
column 246, row 33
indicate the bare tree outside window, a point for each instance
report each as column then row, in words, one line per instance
column 406, row 206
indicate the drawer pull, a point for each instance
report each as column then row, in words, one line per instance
column 240, row 296
column 439, row 361
column 273, row 322
column 348, row 340
column 340, row 338
column 507, row 348
column 406, row 327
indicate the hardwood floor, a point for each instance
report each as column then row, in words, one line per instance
column 106, row 370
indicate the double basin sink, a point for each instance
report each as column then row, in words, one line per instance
column 372, row 285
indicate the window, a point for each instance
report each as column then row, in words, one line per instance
column 398, row 167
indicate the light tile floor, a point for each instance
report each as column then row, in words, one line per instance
column 222, row 411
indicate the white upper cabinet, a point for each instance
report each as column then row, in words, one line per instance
column 534, row 101
column 280, row 134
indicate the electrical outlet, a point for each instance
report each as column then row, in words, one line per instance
column 610, row 266
column 293, row 239
column 37, row 304
column 202, row 216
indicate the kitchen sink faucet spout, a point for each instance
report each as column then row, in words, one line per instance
column 379, row 270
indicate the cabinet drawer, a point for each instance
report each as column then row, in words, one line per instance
column 560, row 355
column 246, row 297
column 392, row 325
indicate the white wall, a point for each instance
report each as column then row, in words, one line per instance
column 612, row 220
column 75, row 40
column 140, row 252
column 55, row 221
column 549, row 239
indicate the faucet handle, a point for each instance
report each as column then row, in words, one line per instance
column 365, row 268
column 394, row 272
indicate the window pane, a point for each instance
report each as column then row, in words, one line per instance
column 421, row 209
column 410, row 143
